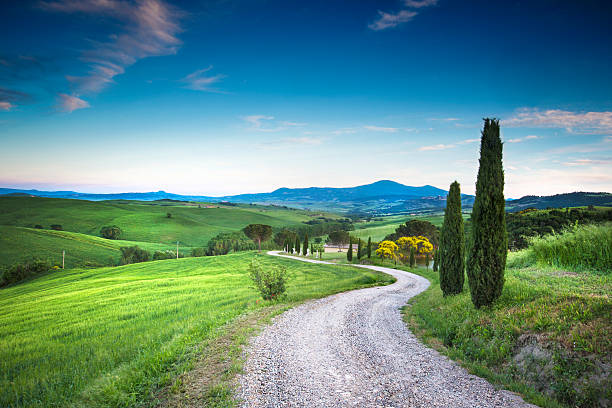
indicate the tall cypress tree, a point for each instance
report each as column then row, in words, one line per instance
column 297, row 245
column 305, row 247
column 349, row 254
column 488, row 242
column 369, row 247
column 412, row 259
column 359, row 249
column 452, row 245
column 436, row 260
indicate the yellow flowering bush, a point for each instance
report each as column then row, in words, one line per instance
column 387, row 249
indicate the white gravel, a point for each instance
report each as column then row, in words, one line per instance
column 353, row 350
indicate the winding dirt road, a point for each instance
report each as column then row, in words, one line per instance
column 353, row 350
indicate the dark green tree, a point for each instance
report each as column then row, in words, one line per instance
column 312, row 250
column 452, row 245
column 359, row 249
column 305, row 246
column 258, row 233
column 297, row 245
column 412, row 260
column 349, row 254
column 427, row 260
column 369, row 247
column 488, row 241
column 110, row 232
column 436, row 260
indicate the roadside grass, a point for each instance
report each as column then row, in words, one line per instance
column 563, row 316
column 113, row 337
column 190, row 225
column 19, row 244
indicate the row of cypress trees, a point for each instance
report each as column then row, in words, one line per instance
column 488, row 242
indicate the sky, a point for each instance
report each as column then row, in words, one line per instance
column 223, row 97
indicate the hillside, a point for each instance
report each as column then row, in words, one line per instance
column 576, row 199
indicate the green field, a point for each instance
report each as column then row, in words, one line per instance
column 142, row 223
column 380, row 227
column 112, row 336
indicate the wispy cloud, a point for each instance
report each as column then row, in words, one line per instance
column 70, row 103
column 466, row 141
column 6, row 106
column 150, row 28
column 436, row 147
column 523, row 139
column 344, row 131
column 304, row 140
column 573, row 122
column 589, row 162
column 264, row 123
column 387, row 20
column 381, row 129
column 200, row 82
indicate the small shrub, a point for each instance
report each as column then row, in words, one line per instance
column 110, row 232
column 168, row 215
column 38, row 226
column 270, row 282
column 24, row 270
column 133, row 254
column 57, row 227
column 168, row 254
column 197, row 252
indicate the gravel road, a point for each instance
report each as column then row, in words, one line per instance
column 353, row 350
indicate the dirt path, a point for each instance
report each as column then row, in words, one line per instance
column 353, row 350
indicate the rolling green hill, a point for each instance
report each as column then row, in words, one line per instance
column 113, row 336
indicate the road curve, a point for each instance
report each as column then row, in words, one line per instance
column 353, row 350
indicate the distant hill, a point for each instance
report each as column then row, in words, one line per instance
column 381, row 197
column 560, row 201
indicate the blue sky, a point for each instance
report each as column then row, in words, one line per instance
column 223, row 97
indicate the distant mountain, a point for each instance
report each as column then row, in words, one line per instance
column 560, row 201
column 383, row 196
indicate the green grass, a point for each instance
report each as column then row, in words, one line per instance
column 20, row 244
column 190, row 225
column 570, row 314
column 379, row 228
column 113, row 336
column 587, row 247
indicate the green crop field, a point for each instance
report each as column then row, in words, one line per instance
column 142, row 223
column 111, row 336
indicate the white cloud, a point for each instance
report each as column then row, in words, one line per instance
column 344, row 131
column 381, row 129
column 573, row 122
column 390, row 20
column 522, row 139
column 264, row 123
column 420, row 3
column 436, row 147
column 469, row 141
column 588, row 162
column 6, row 106
column 150, row 28
column 303, row 140
column 200, row 82
column 70, row 103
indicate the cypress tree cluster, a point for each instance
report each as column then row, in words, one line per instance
column 305, row 247
column 488, row 242
column 349, row 254
column 297, row 245
column 452, row 245
column 369, row 247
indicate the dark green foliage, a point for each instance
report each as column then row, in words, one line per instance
column 414, row 228
column 349, row 254
column 427, row 260
column 359, row 249
column 38, row 226
column 225, row 242
column 339, row 237
column 168, row 215
column 369, row 247
column 270, row 281
column 297, row 245
column 168, row 254
column 305, row 245
column 412, row 258
column 21, row 271
column 436, row 259
column 133, row 254
column 196, row 252
column 57, row 227
column 110, row 232
column 283, row 236
column 452, row 245
column 258, row 233
column 312, row 252
column 488, row 242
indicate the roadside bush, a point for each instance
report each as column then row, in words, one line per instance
column 230, row 241
column 57, row 227
column 110, row 232
column 270, row 282
column 197, row 252
column 24, row 270
column 133, row 254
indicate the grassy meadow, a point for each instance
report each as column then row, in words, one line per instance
column 113, row 336
column 559, row 313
